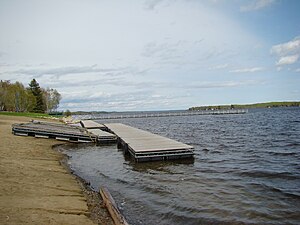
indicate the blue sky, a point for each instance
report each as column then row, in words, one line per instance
column 154, row 54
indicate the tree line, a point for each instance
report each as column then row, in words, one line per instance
column 15, row 97
column 249, row 106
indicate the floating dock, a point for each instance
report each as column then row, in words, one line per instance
column 141, row 145
column 145, row 146
column 162, row 114
column 89, row 124
column 103, row 137
column 61, row 132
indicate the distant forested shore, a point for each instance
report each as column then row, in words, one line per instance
column 248, row 106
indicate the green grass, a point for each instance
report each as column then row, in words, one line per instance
column 27, row 114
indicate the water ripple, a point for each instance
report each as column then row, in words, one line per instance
column 246, row 171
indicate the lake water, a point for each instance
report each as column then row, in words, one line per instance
column 246, row 170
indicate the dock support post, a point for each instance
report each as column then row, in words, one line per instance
column 119, row 143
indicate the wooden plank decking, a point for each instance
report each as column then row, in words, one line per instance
column 103, row 136
column 89, row 124
column 142, row 145
column 61, row 132
column 161, row 114
column 145, row 146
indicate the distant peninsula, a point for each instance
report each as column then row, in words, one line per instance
column 248, row 106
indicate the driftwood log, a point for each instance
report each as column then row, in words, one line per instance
column 112, row 207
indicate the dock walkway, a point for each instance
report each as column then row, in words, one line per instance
column 145, row 146
column 161, row 114
column 99, row 130
column 62, row 132
column 142, row 145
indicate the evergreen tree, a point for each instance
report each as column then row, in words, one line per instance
column 35, row 89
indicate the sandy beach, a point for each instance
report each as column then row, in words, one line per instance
column 36, row 188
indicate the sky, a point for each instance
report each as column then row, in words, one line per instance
column 135, row 55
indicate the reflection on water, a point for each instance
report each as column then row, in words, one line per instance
column 246, row 170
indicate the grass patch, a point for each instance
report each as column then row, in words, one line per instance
column 28, row 114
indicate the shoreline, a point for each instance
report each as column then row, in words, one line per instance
column 36, row 187
column 96, row 208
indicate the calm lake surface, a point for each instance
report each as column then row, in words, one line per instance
column 246, row 170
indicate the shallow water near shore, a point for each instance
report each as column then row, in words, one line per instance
column 246, row 170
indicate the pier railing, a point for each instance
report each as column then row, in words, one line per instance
column 165, row 114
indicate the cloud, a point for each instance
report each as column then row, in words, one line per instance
column 288, row 52
column 168, row 46
column 287, row 48
column 151, row 4
column 2, row 54
column 297, row 70
column 71, row 75
column 247, row 70
column 132, row 100
column 162, row 50
column 59, row 71
column 218, row 67
column 287, row 60
column 146, row 99
column 256, row 5
column 167, row 53
column 225, row 84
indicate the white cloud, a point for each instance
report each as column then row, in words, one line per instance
column 247, row 70
column 114, row 102
column 256, row 5
column 60, row 71
column 162, row 51
column 225, row 84
column 287, row 48
column 288, row 52
column 121, row 47
column 287, row 60
column 151, row 4
column 218, row 67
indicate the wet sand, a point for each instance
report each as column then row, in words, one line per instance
column 36, row 188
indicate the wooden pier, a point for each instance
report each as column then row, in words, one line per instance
column 161, row 114
column 145, row 146
column 142, row 145
column 99, row 130
column 62, row 132
column 89, row 124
